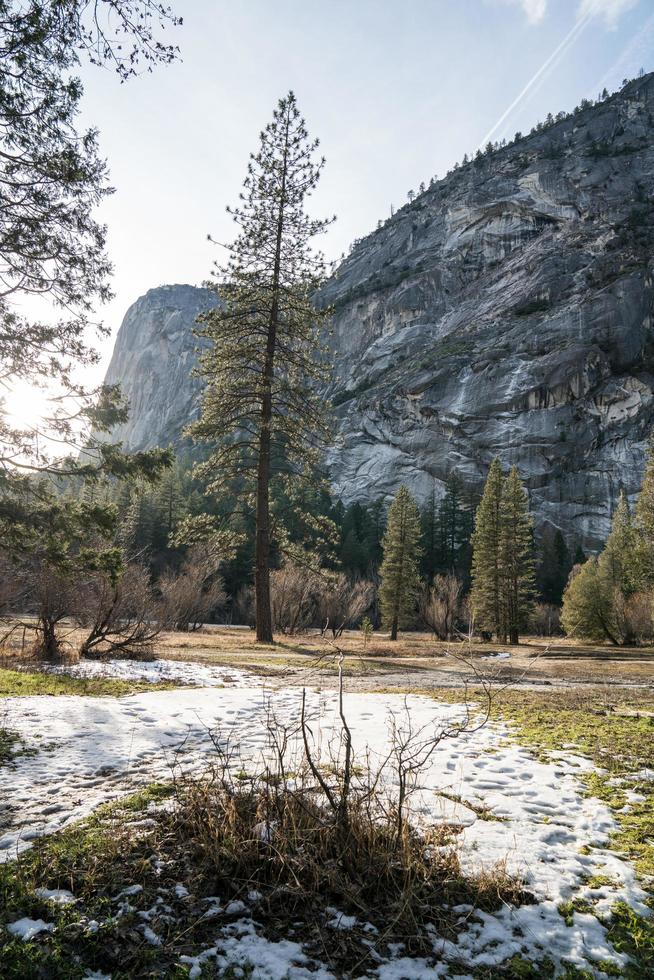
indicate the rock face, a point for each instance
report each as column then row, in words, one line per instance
column 506, row 311
column 153, row 360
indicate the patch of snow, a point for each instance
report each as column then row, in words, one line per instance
column 153, row 671
column 235, row 908
column 150, row 936
column 338, row 920
column 26, row 929
column 130, row 890
column 111, row 746
column 240, row 946
column 60, row 896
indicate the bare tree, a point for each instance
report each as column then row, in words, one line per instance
column 195, row 592
column 120, row 615
column 342, row 602
column 294, row 591
column 546, row 619
column 440, row 605
column 42, row 597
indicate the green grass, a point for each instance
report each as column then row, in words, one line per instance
column 11, row 746
column 94, row 859
column 19, row 683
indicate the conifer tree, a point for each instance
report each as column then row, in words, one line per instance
column 594, row 600
column 487, row 587
column 644, row 519
column 260, row 404
column 430, row 541
column 554, row 566
column 399, row 569
column 620, row 555
column 588, row 604
column 516, row 554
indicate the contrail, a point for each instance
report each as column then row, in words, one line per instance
column 572, row 34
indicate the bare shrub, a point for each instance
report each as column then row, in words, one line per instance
column 633, row 617
column 45, row 597
column 294, row 592
column 342, row 602
column 243, row 606
column 440, row 606
column 120, row 616
column 189, row 597
column 546, row 619
column 310, row 826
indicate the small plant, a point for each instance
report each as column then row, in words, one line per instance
column 366, row 631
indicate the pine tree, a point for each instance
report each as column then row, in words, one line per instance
column 452, row 521
column 516, row 553
column 598, row 593
column 399, row 569
column 644, row 519
column 487, row 588
column 588, row 604
column 620, row 555
column 260, row 403
column 554, row 567
column 430, row 539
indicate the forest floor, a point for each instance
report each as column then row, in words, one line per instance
column 552, row 802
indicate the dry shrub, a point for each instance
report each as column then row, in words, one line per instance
column 279, row 836
column 310, row 830
column 294, row 591
column 46, row 597
column 633, row 617
column 119, row 616
column 342, row 602
column 191, row 596
column 546, row 619
column 440, row 606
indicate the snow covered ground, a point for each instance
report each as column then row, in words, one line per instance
column 95, row 749
column 154, row 671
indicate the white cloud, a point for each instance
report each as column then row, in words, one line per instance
column 534, row 9
column 609, row 10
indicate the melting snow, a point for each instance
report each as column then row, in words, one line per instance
column 106, row 747
column 60, row 896
column 154, row 671
column 26, row 929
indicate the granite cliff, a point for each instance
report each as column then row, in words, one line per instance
column 506, row 311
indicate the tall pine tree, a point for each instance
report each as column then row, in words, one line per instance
column 260, row 404
column 399, row 569
column 516, row 554
column 487, row 587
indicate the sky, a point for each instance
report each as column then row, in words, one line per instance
column 396, row 90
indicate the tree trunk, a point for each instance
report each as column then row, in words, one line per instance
column 394, row 626
column 50, row 644
column 262, row 611
column 262, row 545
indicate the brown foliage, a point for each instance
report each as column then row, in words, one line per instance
column 119, row 616
column 342, row 602
column 440, row 606
column 294, row 591
column 190, row 596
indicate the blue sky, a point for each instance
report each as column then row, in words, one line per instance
column 397, row 90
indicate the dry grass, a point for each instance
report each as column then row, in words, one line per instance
column 291, row 658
